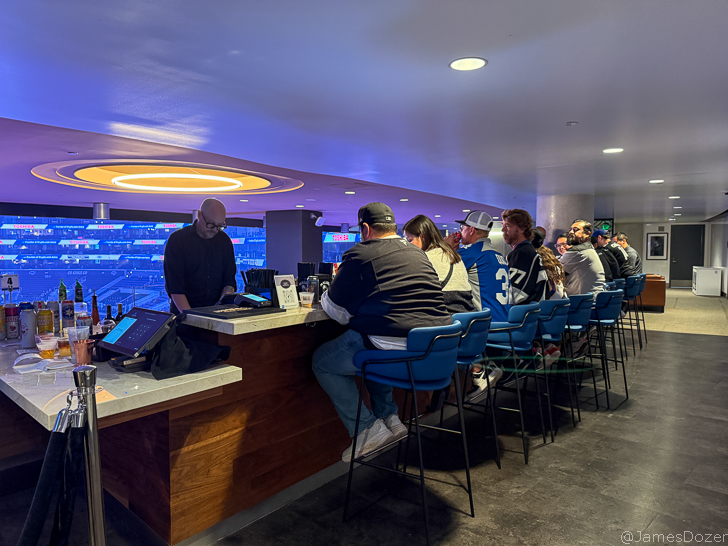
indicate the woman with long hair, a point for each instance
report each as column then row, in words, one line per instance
column 422, row 232
column 555, row 272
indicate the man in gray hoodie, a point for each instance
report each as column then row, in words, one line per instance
column 582, row 266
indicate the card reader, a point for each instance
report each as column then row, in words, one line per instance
column 245, row 299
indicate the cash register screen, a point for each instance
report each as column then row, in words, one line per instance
column 139, row 330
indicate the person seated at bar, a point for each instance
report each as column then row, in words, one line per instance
column 582, row 267
column 384, row 287
column 609, row 262
column 489, row 280
column 199, row 260
column 561, row 244
column 554, row 271
column 422, row 232
column 528, row 279
column 604, row 241
column 635, row 262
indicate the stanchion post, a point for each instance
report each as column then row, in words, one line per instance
column 85, row 378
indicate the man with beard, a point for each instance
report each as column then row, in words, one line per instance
column 528, row 278
column 582, row 266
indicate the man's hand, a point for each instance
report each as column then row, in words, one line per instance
column 453, row 240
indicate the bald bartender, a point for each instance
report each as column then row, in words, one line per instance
column 199, row 260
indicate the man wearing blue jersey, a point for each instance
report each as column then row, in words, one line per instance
column 489, row 280
column 487, row 268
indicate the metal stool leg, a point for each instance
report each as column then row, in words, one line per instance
column 419, row 450
column 465, row 443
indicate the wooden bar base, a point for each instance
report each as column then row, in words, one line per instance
column 187, row 468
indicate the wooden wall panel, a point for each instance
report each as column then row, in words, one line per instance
column 135, row 468
column 20, row 433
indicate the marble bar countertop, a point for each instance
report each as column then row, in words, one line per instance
column 43, row 394
column 246, row 325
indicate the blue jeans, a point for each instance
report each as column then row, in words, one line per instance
column 333, row 364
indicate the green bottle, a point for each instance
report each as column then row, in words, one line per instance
column 78, row 292
column 62, row 292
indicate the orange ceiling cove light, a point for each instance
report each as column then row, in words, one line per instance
column 171, row 177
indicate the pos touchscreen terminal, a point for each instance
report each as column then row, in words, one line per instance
column 139, row 331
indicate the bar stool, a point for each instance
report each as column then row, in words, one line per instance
column 551, row 325
column 476, row 326
column 643, row 285
column 605, row 315
column 577, row 322
column 631, row 289
column 426, row 365
column 516, row 337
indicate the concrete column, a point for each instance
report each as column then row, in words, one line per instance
column 556, row 213
column 291, row 237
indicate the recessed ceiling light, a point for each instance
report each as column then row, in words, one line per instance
column 350, row 192
column 677, row 207
column 310, row 199
column 466, row 210
column 656, row 181
column 613, row 150
column 299, row 206
column 444, row 225
column 468, row 63
column 438, row 215
column 674, row 197
column 677, row 214
column 671, row 219
column 571, row 123
column 243, row 200
column 495, row 217
column 403, row 200
column 72, row 153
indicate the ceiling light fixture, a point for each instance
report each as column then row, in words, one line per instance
column 444, row 225
column 243, row 200
column 468, row 63
column 350, row 192
column 677, row 207
column 466, row 210
column 404, row 200
column 438, row 215
column 656, row 181
column 674, row 197
column 120, row 181
column 571, row 123
column 310, row 199
column 72, row 153
column 671, row 219
column 299, row 206
column 677, row 214
column 613, row 150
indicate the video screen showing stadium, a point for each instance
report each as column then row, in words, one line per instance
column 121, row 261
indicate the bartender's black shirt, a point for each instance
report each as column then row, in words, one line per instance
column 198, row 268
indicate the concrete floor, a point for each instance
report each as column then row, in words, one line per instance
column 655, row 463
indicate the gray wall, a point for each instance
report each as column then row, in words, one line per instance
column 292, row 237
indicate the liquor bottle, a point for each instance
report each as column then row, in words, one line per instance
column 62, row 292
column 78, row 292
column 108, row 312
column 95, row 318
column 119, row 313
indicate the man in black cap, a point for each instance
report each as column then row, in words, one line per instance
column 384, row 287
column 620, row 255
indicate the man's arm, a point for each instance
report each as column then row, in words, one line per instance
column 180, row 301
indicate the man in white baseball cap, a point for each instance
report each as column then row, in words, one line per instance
column 488, row 275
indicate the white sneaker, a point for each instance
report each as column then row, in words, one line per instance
column 395, row 426
column 480, row 383
column 375, row 436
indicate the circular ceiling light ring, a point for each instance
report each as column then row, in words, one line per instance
column 119, row 181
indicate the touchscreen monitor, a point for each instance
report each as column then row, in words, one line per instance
column 139, row 330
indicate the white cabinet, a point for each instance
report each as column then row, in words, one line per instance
column 707, row 281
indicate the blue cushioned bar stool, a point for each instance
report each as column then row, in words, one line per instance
column 612, row 287
column 514, row 338
column 426, row 365
column 577, row 322
column 605, row 316
column 476, row 327
column 631, row 289
column 551, row 325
